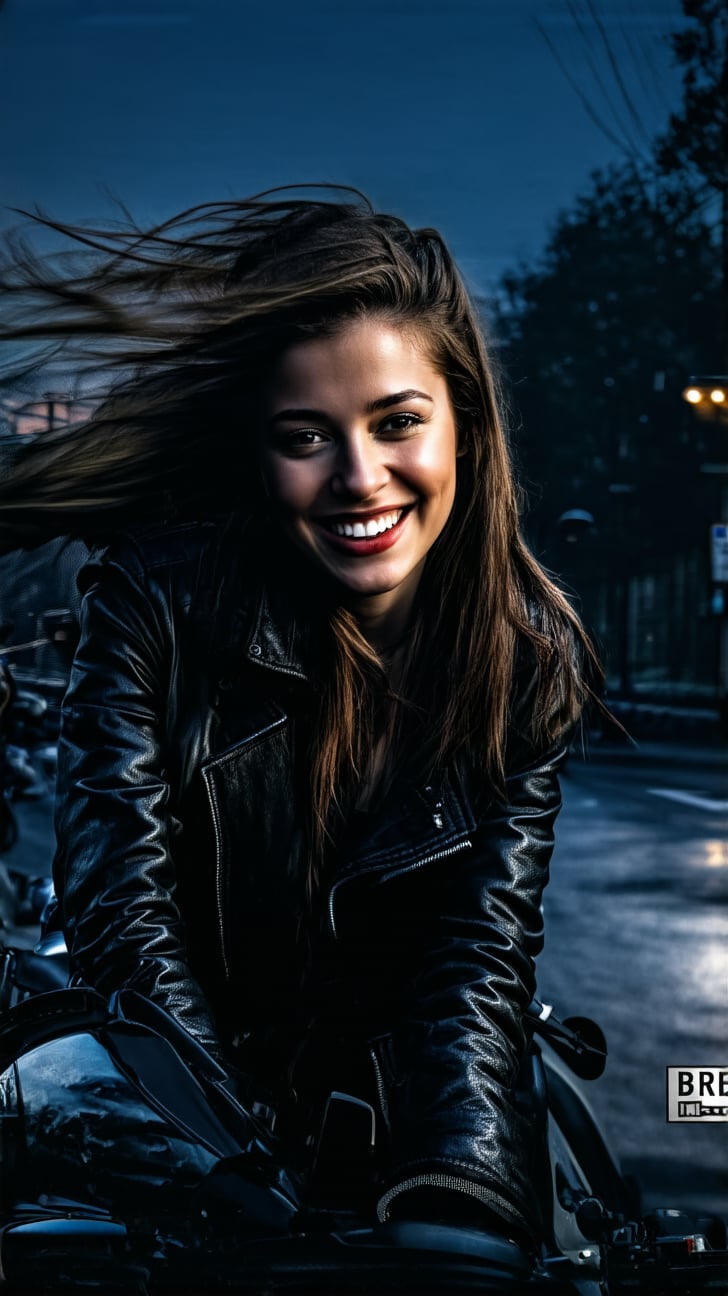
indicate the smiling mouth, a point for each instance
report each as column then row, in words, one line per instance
column 364, row 528
column 363, row 536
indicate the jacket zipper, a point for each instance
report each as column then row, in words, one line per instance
column 381, row 1087
column 452, row 1182
column 398, row 872
column 218, row 870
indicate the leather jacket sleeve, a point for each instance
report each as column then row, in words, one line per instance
column 457, row 1052
column 114, row 871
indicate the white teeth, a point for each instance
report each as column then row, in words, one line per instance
column 366, row 530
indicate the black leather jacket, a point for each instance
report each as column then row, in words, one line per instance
column 179, row 858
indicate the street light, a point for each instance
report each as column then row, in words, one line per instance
column 708, row 395
column 575, row 524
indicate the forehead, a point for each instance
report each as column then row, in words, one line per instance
column 364, row 358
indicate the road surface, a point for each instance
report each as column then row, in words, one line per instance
column 637, row 937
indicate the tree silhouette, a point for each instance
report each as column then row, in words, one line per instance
column 599, row 336
column 629, row 297
column 695, row 146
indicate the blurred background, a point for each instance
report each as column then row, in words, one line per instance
column 574, row 153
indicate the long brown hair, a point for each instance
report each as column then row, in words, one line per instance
column 175, row 330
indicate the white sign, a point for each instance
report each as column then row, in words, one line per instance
column 719, row 552
column 697, row 1093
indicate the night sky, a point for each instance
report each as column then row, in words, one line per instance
column 456, row 114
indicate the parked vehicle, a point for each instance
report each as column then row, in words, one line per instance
column 29, row 721
column 8, row 821
column 25, row 773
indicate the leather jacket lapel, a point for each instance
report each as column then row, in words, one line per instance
column 413, row 827
column 252, row 801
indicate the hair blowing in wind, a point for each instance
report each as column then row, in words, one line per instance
column 171, row 332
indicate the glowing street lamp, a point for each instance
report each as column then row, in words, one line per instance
column 708, row 395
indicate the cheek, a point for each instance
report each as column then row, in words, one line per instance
column 436, row 473
column 292, row 486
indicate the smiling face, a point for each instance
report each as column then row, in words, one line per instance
column 358, row 454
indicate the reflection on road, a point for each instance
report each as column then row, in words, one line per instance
column 716, row 853
column 637, row 936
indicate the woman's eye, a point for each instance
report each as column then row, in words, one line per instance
column 400, row 423
column 301, row 439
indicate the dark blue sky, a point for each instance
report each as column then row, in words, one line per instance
column 451, row 114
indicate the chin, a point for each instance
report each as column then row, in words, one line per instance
column 373, row 587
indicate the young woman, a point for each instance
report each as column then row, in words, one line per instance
column 309, row 756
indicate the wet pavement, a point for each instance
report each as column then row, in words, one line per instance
column 637, row 937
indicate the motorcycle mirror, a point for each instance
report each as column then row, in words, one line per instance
column 577, row 1040
column 587, row 1049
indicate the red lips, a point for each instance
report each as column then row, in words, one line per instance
column 363, row 546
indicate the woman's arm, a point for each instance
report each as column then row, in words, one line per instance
column 458, row 1050
column 114, row 871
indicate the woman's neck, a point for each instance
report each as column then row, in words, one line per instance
column 385, row 619
column 385, row 634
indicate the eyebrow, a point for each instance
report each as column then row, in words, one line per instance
column 382, row 403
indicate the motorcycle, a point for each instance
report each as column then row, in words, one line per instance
column 29, row 718
column 8, row 822
column 129, row 1163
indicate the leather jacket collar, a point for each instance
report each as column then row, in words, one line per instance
column 281, row 633
column 277, row 638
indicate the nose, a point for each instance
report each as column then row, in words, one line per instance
column 360, row 469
